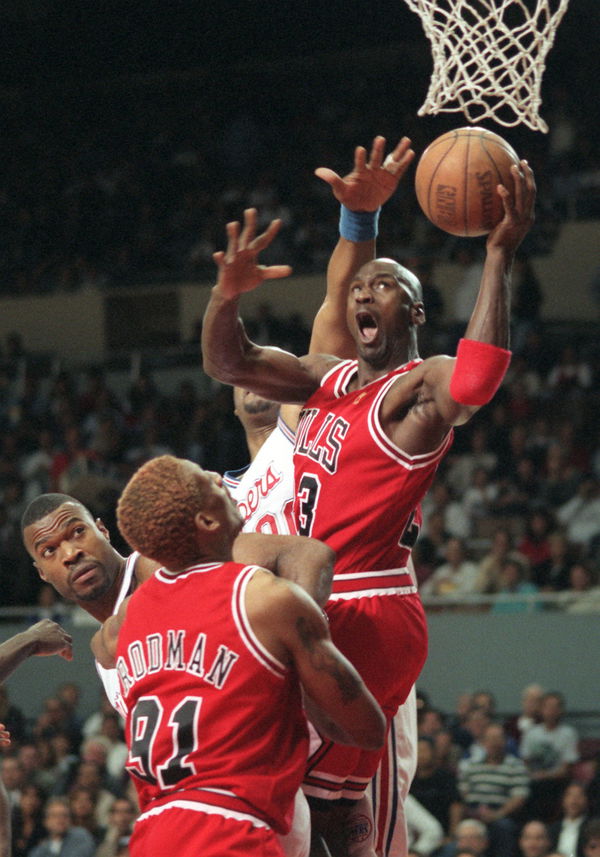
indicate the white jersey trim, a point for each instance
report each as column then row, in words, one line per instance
column 240, row 616
column 208, row 808
column 410, row 462
column 109, row 678
column 371, row 593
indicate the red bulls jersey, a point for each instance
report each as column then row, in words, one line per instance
column 209, row 710
column 355, row 489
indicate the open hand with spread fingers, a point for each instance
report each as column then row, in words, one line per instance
column 238, row 266
column 372, row 182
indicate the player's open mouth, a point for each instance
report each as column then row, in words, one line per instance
column 367, row 326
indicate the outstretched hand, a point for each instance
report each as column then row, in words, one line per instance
column 518, row 210
column 4, row 736
column 371, row 183
column 239, row 270
column 50, row 639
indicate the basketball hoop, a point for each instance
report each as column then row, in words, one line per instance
column 489, row 57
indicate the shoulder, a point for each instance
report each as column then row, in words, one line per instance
column 144, row 568
column 320, row 364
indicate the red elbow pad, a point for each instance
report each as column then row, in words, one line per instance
column 478, row 372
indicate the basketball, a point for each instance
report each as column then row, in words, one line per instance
column 456, row 180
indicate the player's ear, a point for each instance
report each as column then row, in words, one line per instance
column 417, row 313
column 39, row 571
column 102, row 528
column 205, row 521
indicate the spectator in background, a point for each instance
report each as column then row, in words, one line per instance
column 590, row 838
column 435, row 788
column 566, row 833
column 583, row 594
column 63, row 838
column 122, row 815
column 13, row 778
column 570, row 375
column 490, row 565
column 549, row 751
column 471, row 836
column 456, row 577
column 425, row 833
column 513, row 581
column 495, row 789
column 535, row 544
column 534, row 840
column 463, row 465
column 531, row 707
column 28, row 821
column 440, row 499
column 82, row 802
column 553, row 574
column 580, row 515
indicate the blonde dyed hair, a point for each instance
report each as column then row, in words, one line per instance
column 156, row 511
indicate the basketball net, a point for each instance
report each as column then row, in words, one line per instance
column 489, row 57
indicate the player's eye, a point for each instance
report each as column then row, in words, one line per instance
column 47, row 553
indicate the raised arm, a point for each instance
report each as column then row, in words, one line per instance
column 43, row 638
column 460, row 386
column 307, row 562
column 228, row 354
column 361, row 193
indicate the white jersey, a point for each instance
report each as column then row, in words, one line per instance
column 109, row 678
column 264, row 491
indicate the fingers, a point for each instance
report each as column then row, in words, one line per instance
column 331, row 177
column 360, row 158
column 275, row 272
column 402, row 149
column 249, row 231
column 377, row 151
column 267, row 236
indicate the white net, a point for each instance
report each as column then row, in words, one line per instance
column 489, row 57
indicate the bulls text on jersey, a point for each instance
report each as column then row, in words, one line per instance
column 326, row 446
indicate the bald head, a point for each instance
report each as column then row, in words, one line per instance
column 409, row 282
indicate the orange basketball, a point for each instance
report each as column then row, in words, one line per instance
column 457, row 177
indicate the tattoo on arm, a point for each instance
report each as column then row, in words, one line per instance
column 321, row 660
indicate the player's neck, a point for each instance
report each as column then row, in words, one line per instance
column 103, row 607
column 255, row 438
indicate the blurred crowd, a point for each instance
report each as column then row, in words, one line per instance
column 487, row 785
column 132, row 183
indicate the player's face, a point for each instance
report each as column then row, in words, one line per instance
column 73, row 553
column 382, row 302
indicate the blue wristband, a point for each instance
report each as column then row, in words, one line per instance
column 358, row 225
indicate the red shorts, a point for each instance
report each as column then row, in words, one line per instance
column 189, row 829
column 385, row 637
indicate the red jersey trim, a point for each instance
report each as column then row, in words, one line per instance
column 240, row 617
